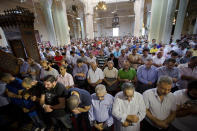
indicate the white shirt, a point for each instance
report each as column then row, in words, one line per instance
column 94, row 76
column 187, row 123
column 74, row 59
column 93, row 59
column 66, row 80
column 158, row 61
column 122, row 108
column 160, row 110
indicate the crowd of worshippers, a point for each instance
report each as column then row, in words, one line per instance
column 107, row 84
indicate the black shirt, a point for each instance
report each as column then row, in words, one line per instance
column 52, row 96
column 85, row 97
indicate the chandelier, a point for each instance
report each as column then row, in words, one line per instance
column 101, row 5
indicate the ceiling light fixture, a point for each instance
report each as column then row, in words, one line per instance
column 101, row 5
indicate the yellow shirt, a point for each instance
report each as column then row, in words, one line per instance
column 153, row 50
column 194, row 52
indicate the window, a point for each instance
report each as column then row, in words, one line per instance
column 115, row 32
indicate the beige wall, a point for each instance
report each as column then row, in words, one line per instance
column 39, row 23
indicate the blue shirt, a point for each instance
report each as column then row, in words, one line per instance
column 101, row 111
column 82, row 69
column 145, row 75
column 117, row 54
column 24, row 67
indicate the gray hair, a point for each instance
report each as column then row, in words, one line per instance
column 165, row 79
column 100, row 89
column 110, row 62
column 73, row 102
column 127, row 86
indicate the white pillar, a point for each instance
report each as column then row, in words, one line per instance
column 81, row 16
column 46, row 9
column 171, row 8
column 89, row 20
column 158, row 16
column 61, row 22
column 195, row 27
column 139, row 14
column 180, row 19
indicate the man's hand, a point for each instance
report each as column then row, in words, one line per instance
column 99, row 126
column 76, row 111
column 161, row 124
column 33, row 98
column 133, row 118
column 126, row 124
column 150, row 83
column 25, row 110
column 47, row 108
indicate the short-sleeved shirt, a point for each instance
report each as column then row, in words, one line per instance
column 94, row 76
column 159, row 109
column 113, row 73
column 52, row 96
column 85, row 97
column 127, row 74
column 36, row 90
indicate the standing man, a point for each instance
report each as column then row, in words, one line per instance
column 79, row 102
column 53, row 102
column 100, row 113
column 128, row 108
column 160, row 106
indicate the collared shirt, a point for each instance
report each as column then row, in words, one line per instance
column 85, row 58
column 186, row 123
column 93, row 59
column 122, row 108
column 185, row 70
column 121, row 60
column 145, row 58
column 101, row 111
column 73, row 59
column 82, row 69
column 159, row 109
column 145, row 75
column 66, row 80
column 174, row 72
column 24, row 67
column 135, row 58
column 117, row 54
column 113, row 73
column 101, row 60
column 158, row 61
column 130, row 74
column 96, row 75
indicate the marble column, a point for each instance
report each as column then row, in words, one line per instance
column 158, row 16
column 195, row 27
column 171, row 8
column 89, row 20
column 81, row 16
column 60, row 22
column 139, row 14
column 46, row 9
column 75, row 29
column 180, row 19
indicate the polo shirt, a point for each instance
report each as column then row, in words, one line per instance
column 127, row 74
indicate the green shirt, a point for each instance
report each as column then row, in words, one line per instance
column 127, row 74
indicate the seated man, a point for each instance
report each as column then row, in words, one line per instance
column 111, row 77
column 100, row 113
column 134, row 59
column 47, row 70
column 121, row 59
column 53, row 102
column 158, row 60
column 147, row 76
column 186, row 101
column 23, row 67
column 170, row 70
column 80, row 73
column 95, row 77
column 160, row 106
column 127, row 74
column 79, row 102
column 128, row 108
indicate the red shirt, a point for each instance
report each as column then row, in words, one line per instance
column 58, row 59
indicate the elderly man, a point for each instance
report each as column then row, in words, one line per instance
column 146, row 75
column 100, row 113
column 111, row 77
column 127, row 74
column 80, row 73
column 128, row 108
column 170, row 70
column 160, row 106
column 95, row 76
column 79, row 102
column 186, row 108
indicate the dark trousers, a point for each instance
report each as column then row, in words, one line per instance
column 146, row 126
column 106, row 129
column 82, row 120
column 63, row 123
column 38, row 123
column 143, row 87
